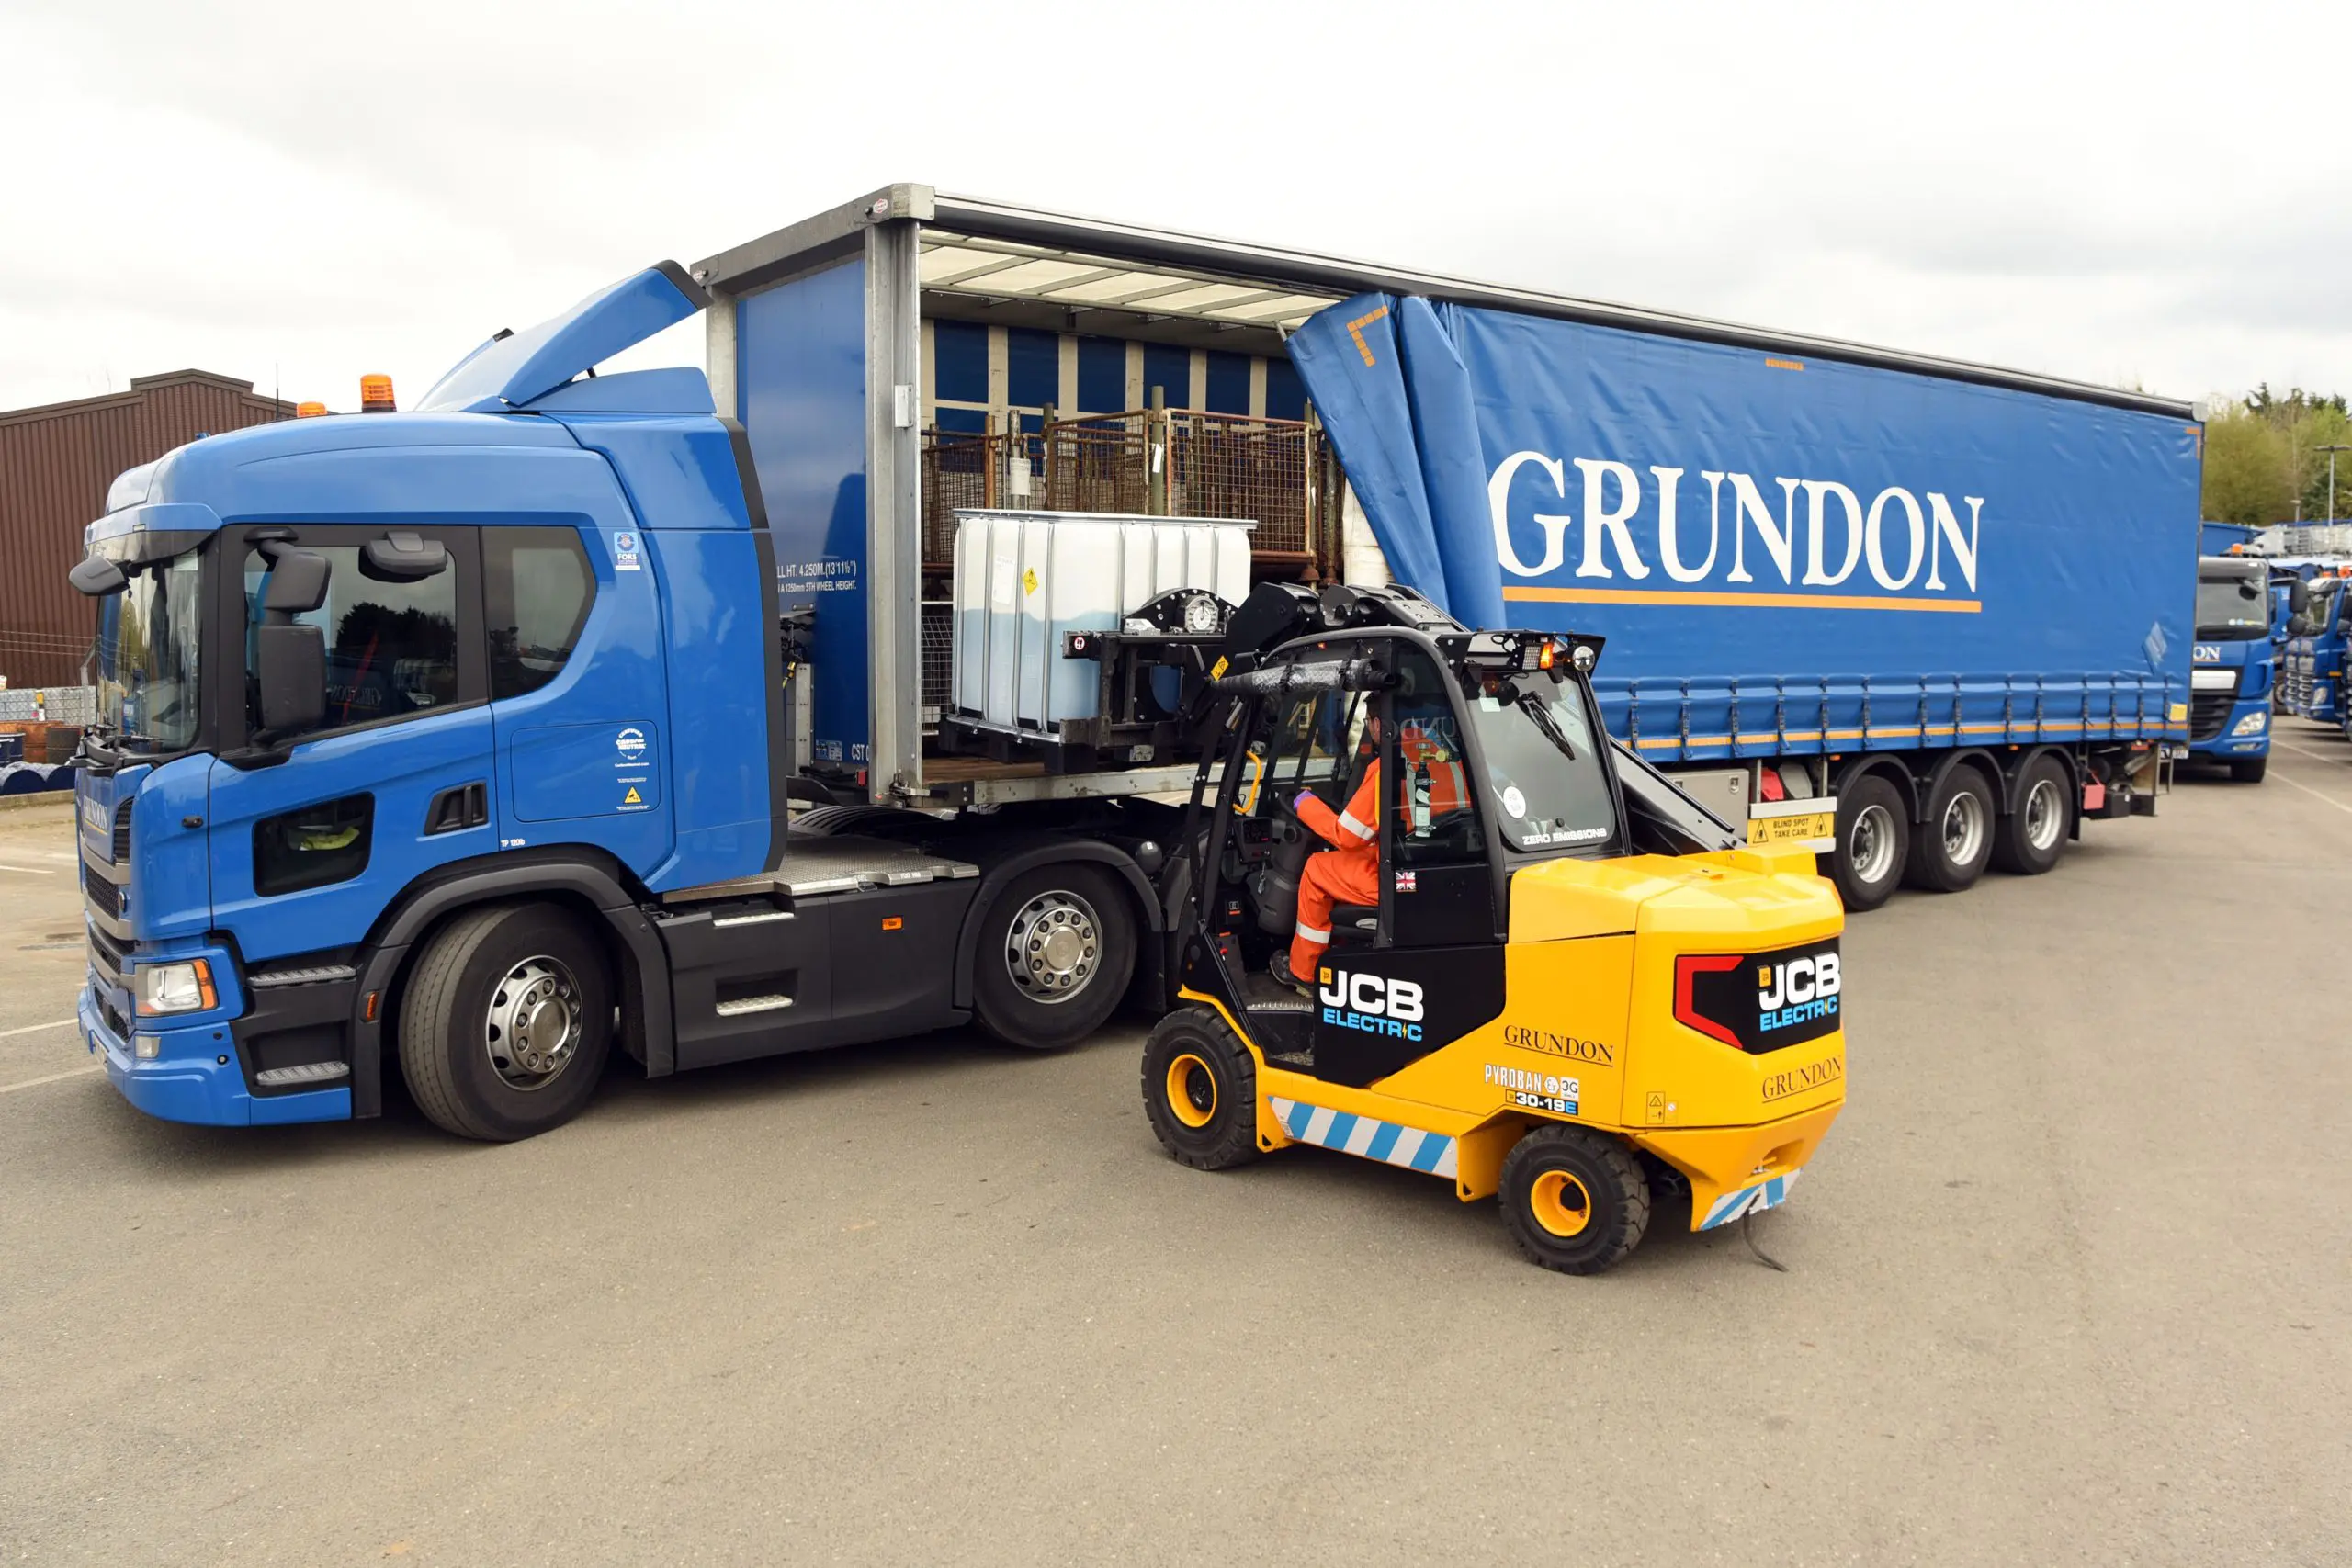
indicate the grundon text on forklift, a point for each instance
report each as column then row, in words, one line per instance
column 1570, row 986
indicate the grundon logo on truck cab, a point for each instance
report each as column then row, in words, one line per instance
column 1761, row 1001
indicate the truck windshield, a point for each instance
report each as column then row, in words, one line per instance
column 2233, row 605
column 1546, row 777
column 147, row 657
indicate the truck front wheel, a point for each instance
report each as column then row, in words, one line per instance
column 1056, row 947
column 506, row 1023
column 2248, row 769
column 1873, row 841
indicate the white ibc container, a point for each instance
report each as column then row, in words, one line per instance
column 1025, row 579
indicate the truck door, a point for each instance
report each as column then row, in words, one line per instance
column 1434, row 970
column 576, row 681
column 308, row 840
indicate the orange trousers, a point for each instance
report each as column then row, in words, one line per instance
column 1331, row 877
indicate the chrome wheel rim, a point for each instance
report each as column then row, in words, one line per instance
column 1964, row 827
column 1870, row 843
column 533, row 1029
column 1052, row 947
column 2045, row 814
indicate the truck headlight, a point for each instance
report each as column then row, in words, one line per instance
column 2251, row 723
column 176, row 987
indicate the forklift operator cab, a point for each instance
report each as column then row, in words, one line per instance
column 1548, row 975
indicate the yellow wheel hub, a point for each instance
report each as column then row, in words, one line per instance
column 1560, row 1203
column 1192, row 1090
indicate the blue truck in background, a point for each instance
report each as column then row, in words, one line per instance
column 2318, row 635
column 569, row 715
column 2235, row 662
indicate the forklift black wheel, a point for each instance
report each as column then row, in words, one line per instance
column 1056, row 947
column 1873, row 841
column 1950, row 850
column 2033, row 837
column 506, row 1023
column 1575, row 1201
column 1200, row 1091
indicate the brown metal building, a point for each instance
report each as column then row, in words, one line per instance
column 56, row 462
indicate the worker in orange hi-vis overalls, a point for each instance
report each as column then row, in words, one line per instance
column 1348, row 872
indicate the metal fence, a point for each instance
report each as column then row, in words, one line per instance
column 1222, row 465
column 1280, row 473
column 991, row 470
column 57, row 705
column 1102, row 463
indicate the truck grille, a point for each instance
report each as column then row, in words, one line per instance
column 104, row 897
column 2207, row 712
column 106, row 955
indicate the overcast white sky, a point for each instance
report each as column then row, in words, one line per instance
column 2146, row 195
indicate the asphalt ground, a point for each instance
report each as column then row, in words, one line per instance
column 2071, row 1282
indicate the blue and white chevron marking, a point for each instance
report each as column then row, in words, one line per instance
column 1384, row 1141
column 1753, row 1200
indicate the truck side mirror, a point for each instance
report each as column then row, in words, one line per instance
column 97, row 577
column 291, row 659
column 297, row 582
column 292, row 671
column 403, row 558
column 2299, row 597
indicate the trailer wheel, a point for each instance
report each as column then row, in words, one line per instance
column 1953, row 847
column 506, row 1023
column 1056, row 947
column 1200, row 1091
column 1575, row 1201
column 2033, row 837
column 2248, row 769
column 1873, row 841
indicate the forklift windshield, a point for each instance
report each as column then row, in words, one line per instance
column 1544, row 766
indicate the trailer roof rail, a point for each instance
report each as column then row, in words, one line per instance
column 1179, row 277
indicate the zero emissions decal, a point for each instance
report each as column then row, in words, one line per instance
column 1722, row 537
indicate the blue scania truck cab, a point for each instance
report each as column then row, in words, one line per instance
column 2231, row 666
column 459, row 734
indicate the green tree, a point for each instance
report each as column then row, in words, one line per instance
column 2263, row 458
column 2246, row 468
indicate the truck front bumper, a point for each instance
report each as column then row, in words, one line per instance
column 193, row 1076
column 2248, row 733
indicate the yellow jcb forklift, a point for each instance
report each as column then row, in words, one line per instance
column 1562, row 984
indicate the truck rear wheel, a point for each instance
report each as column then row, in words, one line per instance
column 2033, row 837
column 1056, row 947
column 1200, row 1091
column 1873, row 841
column 506, row 1023
column 1575, row 1199
column 1952, row 848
